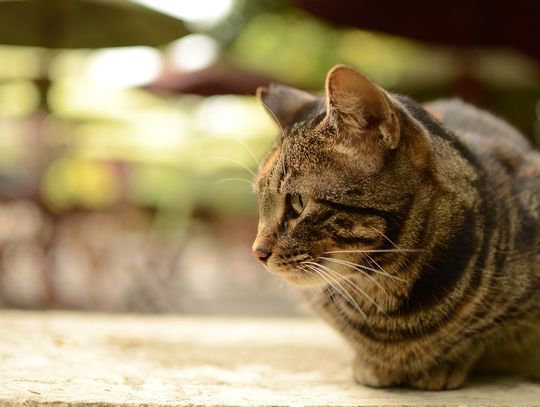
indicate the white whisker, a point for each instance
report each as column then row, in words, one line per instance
column 358, row 290
column 305, row 271
column 245, row 167
column 330, row 272
column 246, row 149
column 357, row 267
column 383, row 271
column 361, row 268
column 275, row 117
column 385, row 237
column 280, row 127
column 375, row 251
column 320, row 270
column 247, row 181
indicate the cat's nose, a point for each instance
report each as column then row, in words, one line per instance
column 262, row 254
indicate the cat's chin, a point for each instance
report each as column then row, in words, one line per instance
column 302, row 281
column 295, row 277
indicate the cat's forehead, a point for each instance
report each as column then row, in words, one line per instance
column 301, row 163
column 302, row 159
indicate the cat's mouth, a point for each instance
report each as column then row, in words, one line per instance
column 295, row 272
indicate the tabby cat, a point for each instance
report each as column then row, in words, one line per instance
column 414, row 230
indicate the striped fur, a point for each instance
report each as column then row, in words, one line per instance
column 420, row 241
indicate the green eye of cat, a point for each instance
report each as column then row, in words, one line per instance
column 299, row 202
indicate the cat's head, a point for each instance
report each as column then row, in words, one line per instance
column 338, row 179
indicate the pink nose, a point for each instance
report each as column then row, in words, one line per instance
column 262, row 254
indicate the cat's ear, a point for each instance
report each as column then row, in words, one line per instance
column 283, row 102
column 358, row 106
column 369, row 122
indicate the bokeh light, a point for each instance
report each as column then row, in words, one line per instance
column 193, row 52
column 128, row 67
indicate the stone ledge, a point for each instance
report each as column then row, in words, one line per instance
column 74, row 359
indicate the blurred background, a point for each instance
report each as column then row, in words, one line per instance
column 129, row 133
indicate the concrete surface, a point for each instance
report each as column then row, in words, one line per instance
column 79, row 359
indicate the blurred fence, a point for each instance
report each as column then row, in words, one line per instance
column 117, row 261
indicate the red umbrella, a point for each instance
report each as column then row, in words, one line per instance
column 219, row 79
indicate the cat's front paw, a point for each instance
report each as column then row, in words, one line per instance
column 370, row 376
column 441, row 379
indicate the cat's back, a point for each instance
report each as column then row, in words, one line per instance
column 501, row 149
column 509, row 165
column 478, row 128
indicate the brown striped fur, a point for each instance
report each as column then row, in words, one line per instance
column 448, row 207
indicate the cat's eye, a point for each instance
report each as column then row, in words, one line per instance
column 299, row 202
